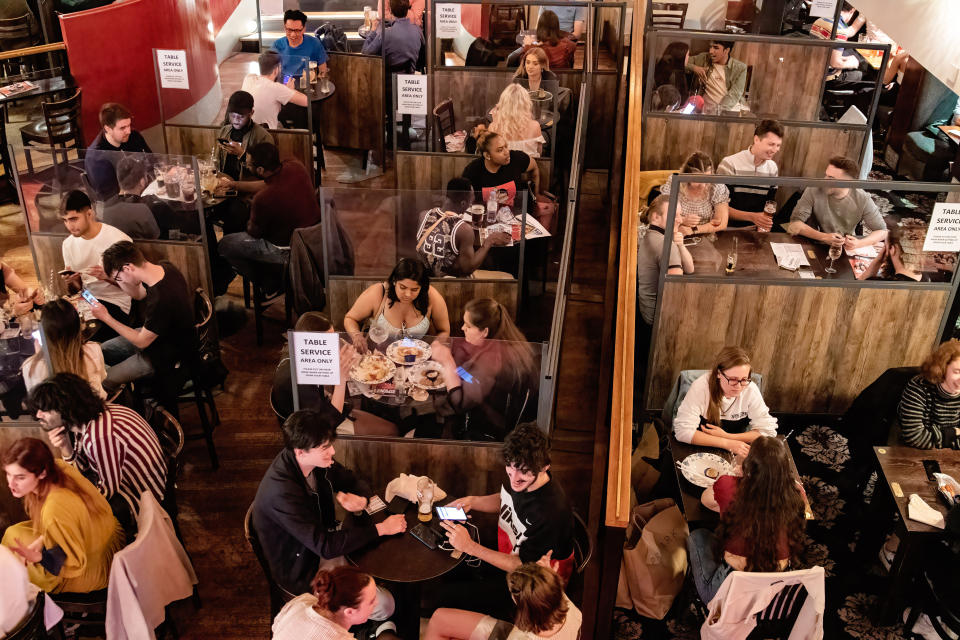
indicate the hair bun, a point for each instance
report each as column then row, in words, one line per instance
column 322, row 587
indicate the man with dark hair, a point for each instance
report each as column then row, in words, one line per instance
column 133, row 177
column 747, row 202
column 838, row 211
column 535, row 520
column 116, row 134
column 168, row 335
column 297, row 49
column 133, row 218
column 294, row 512
column 242, row 134
column 724, row 78
column 82, row 252
column 109, row 443
column 286, row 202
column 400, row 42
column 268, row 94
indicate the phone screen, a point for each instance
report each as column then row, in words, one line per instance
column 89, row 297
column 464, row 375
column 451, row 513
column 286, row 79
column 931, row 467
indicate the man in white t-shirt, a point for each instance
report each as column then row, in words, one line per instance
column 82, row 252
column 268, row 94
column 746, row 201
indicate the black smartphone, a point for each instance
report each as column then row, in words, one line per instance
column 426, row 535
column 931, row 467
column 223, row 140
column 399, row 504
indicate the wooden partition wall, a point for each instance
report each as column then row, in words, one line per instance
column 785, row 79
column 816, row 346
column 353, row 116
column 667, row 141
column 432, row 171
column 457, row 292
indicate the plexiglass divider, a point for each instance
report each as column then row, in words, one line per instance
column 423, row 386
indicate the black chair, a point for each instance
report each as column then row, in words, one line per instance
column 60, row 124
column 582, row 543
column 278, row 595
column 18, row 33
column 86, row 610
column 170, row 435
column 668, row 15
column 445, row 122
column 195, row 388
column 32, row 627
column 262, row 298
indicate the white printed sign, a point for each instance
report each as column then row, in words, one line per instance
column 943, row 234
column 317, row 357
column 448, row 20
column 823, row 8
column 412, row 95
column 173, row 68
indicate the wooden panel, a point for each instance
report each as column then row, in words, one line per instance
column 785, row 79
column 11, row 509
column 817, row 347
column 805, row 151
column 456, row 292
column 602, row 121
column 432, row 171
column 353, row 116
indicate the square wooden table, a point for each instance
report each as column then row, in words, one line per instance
column 903, row 467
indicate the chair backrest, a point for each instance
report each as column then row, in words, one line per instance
column 445, row 121
column 18, row 33
column 31, row 627
column 778, row 618
column 668, row 15
column 63, row 119
column 202, row 309
column 168, row 429
column 582, row 543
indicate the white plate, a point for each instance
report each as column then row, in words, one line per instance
column 354, row 371
column 695, row 465
column 423, row 347
column 413, row 375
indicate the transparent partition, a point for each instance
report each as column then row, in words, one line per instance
column 796, row 80
column 350, row 16
column 419, row 386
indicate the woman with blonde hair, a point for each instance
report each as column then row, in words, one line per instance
column 724, row 408
column 929, row 411
column 71, row 536
column 543, row 611
column 513, row 119
column 69, row 353
column 705, row 206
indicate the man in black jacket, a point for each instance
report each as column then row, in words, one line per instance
column 294, row 513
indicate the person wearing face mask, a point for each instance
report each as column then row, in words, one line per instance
column 747, row 202
column 406, row 304
column 929, row 411
column 723, row 408
column 535, row 521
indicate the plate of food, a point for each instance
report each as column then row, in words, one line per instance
column 703, row 469
column 427, row 376
column 373, row 368
column 408, row 351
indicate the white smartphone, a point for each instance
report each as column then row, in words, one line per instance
column 451, row 513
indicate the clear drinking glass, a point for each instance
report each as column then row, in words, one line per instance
column 425, row 499
column 377, row 334
column 833, row 254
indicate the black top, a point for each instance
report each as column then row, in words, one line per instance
column 101, row 167
column 297, row 525
column 506, row 178
column 749, row 198
column 539, row 521
column 168, row 309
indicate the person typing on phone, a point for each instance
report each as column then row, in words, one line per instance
column 535, row 519
column 236, row 138
column 294, row 511
column 269, row 94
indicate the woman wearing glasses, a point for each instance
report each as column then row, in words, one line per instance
column 723, row 408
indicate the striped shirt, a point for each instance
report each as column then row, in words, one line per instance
column 928, row 416
column 123, row 450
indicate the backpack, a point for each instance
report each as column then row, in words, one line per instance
column 332, row 37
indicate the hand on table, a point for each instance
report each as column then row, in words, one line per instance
column 351, row 502
column 29, row 552
column 393, row 525
column 713, row 430
column 737, row 448
column 458, row 535
column 465, row 503
column 226, row 183
column 59, row 439
column 498, row 239
column 441, row 353
column 834, row 239
column 851, row 243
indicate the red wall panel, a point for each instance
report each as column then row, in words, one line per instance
column 220, row 11
column 111, row 56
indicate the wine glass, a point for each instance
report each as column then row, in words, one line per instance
column 377, row 334
column 833, row 254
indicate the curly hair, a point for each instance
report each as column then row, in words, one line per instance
column 766, row 506
column 538, row 592
column 69, row 395
column 513, row 114
column 934, row 368
column 527, row 448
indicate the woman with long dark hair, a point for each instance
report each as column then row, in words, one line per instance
column 405, row 304
column 671, row 68
column 69, row 353
column 724, row 408
column 557, row 44
column 762, row 520
column 498, row 364
column 71, row 536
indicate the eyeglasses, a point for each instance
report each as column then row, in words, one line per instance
column 735, row 381
column 293, row 31
column 116, row 277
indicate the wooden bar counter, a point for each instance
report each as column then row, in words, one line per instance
column 818, row 342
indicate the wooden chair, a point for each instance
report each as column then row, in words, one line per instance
column 170, row 435
column 60, row 124
column 668, row 15
column 17, row 33
column 445, row 121
column 278, row 595
column 194, row 390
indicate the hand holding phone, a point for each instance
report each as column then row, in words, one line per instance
column 451, row 513
column 89, row 297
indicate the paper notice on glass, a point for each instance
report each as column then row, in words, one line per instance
column 412, row 94
column 317, row 357
column 823, row 8
column 943, row 233
column 448, row 20
column 789, row 254
column 172, row 64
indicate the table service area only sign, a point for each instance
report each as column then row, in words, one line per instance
column 943, row 234
column 172, row 64
column 317, row 357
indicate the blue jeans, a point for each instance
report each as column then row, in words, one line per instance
column 708, row 568
column 125, row 362
column 248, row 254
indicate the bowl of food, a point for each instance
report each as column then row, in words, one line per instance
column 703, row 469
column 427, row 375
column 408, row 351
column 373, row 368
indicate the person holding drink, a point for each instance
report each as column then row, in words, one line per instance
column 704, row 205
column 724, row 408
column 754, row 204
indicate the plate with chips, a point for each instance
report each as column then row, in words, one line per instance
column 373, row 368
column 408, row 351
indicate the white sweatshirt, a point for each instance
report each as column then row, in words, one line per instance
column 749, row 404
